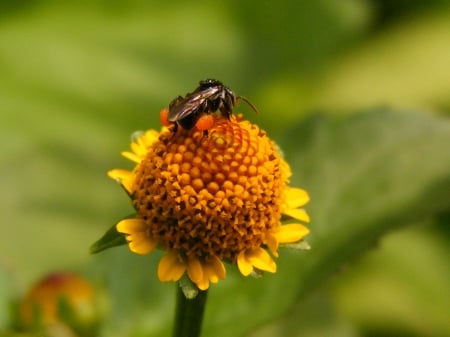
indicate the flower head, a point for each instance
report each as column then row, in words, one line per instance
column 60, row 299
column 210, row 199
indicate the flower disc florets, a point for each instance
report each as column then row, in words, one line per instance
column 210, row 198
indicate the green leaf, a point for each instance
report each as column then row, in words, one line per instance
column 315, row 315
column 112, row 238
column 367, row 174
column 360, row 79
column 411, row 265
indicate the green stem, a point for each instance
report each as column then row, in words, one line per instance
column 189, row 314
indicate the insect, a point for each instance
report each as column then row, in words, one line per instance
column 196, row 108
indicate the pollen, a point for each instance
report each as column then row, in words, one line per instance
column 205, row 122
column 164, row 117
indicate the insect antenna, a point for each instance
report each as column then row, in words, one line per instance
column 250, row 104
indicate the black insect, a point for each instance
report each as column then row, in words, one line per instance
column 210, row 96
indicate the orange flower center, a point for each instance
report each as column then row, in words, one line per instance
column 214, row 195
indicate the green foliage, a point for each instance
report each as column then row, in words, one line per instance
column 112, row 238
column 78, row 79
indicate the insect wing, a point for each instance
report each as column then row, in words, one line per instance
column 180, row 107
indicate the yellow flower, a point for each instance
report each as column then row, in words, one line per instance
column 210, row 199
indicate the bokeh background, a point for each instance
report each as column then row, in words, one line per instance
column 356, row 92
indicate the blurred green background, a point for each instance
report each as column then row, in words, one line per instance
column 356, row 92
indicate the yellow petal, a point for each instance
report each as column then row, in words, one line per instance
column 291, row 233
column 214, row 270
column 130, row 226
column 119, row 175
column 139, row 240
column 194, row 269
column 260, row 259
column 132, row 156
column 297, row 214
column 148, row 138
column 296, row 197
column 124, row 177
column 218, row 267
column 272, row 243
column 139, row 148
column 141, row 243
column 203, row 284
column 209, row 273
column 171, row 267
column 245, row 267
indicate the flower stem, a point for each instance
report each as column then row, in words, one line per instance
column 189, row 314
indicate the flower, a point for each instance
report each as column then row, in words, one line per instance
column 206, row 199
column 60, row 299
